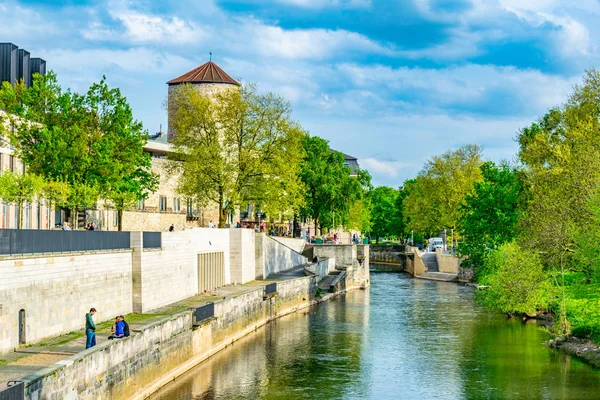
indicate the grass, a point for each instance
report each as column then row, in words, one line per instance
column 583, row 306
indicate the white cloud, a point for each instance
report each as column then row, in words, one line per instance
column 327, row 3
column 388, row 169
column 142, row 28
column 314, row 44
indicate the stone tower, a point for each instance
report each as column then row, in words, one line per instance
column 208, row 78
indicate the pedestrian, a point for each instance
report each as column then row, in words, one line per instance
column 238, row 225
column 90, row 329
column 211, row 225
column 172, row 228
column 125, row 326
column 118, row 331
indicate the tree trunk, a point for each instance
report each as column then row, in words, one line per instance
column 74, row 218
column 221, row 211
column 120, row 217
column 316, row 224
column 19, row 215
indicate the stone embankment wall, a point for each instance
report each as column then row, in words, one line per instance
column 136, row 366
column 55, row 292
column 344, row 254
column 387, row 254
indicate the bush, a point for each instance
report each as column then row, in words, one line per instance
column 516, row 281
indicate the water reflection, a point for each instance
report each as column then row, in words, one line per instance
column 403, row 338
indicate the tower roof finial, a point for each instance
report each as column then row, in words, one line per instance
column 210, row 58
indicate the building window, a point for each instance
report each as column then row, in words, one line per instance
column 11, row 163
column 162, row 203
column 115, row 218
column 16, row 217
column 176, row 205
column 346, row 165
column 189, row 208
column 140, row 204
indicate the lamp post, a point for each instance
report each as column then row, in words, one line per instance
column 412, row 238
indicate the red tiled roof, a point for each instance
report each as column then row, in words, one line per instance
column 206, row 73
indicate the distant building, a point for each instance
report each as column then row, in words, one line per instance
column 352, row 163
column 16, row 64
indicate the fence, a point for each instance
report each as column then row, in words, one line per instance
column 152, row 240
column 31, row 241
column 13, row 392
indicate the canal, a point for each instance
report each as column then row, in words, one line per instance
column 402, row 338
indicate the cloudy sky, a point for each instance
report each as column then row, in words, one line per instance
column 390, row 82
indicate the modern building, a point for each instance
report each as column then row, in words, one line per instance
column 16, row 64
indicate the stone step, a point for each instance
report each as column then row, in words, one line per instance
column 438, row 276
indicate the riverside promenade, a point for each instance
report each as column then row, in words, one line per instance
column 32, row 361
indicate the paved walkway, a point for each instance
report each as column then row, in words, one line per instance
column 28, row 360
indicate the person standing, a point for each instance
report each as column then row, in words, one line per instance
column 90, row 329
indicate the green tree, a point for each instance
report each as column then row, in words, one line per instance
column 383, row 200
column 516, row 281
column 18, row 189
column 490, row 215
column 561, row 155
column 330, row 189
column 88, row 140
column 435, row 197
column 587, row 242
column 236, row 147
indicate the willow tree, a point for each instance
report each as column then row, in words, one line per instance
column 236, row 147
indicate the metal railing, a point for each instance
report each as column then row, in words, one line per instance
column 14, row 391
column 152, row 240
column 205, row 312
column 31, row 241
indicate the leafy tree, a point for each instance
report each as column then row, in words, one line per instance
column 18, row 189
column 517, row 281
column 359, row 215
column 561, row 156
column 435, row 197
column 330, row 190
column 88, row 140
column 490, row 215
column 236, row 147
column 383, row 200
column 587, row 242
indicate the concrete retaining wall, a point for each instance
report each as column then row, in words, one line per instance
column 446, row 262
column 414, row 263
column 57, row 291
column 295, row 244
column 322, row 268
column 139, row 365
column 164, row 276
column 273, row 257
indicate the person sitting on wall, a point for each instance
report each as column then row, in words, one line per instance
column 315, row 259
column 118, row 331
column 172, row 228
column 126, row 331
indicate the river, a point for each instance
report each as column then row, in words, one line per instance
column 403, row 338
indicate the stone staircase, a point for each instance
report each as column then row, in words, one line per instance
column 433, row 274
column 328, row 285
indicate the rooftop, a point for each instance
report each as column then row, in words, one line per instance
column 206, row 73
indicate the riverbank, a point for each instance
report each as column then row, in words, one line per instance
column 165, row 343
column 586, row 350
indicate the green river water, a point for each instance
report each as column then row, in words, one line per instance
column 402, row 339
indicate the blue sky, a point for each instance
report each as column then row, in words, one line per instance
column 389, row 82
